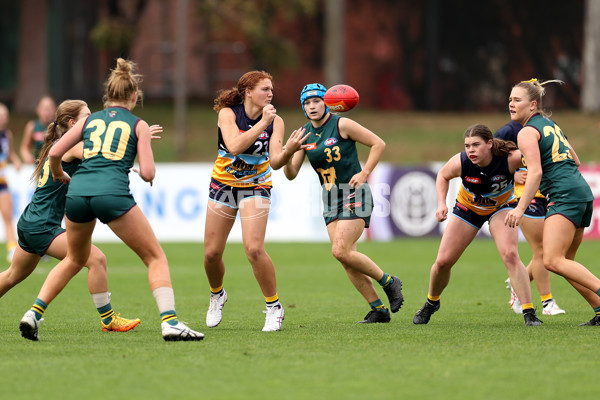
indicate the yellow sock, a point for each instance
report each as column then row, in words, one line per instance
column 433, row 298
column 528, row 306
column 546, row 297
column 272, row 299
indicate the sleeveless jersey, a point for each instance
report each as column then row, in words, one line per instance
column 47, row 206
column 109, row 149
column 561, row 180
column 509, row 132
column 484, row 190
column 4, row 150
column 37, row 137
column 334, row 158
column 252, row 166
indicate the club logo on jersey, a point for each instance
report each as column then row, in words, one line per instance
column 311, row 146
column 328, row 177
column 263, row 135
column 498, row 178
column 240, row 169
column 483, row 201
column 470, row 179
column 330, row 142
column 112, row 113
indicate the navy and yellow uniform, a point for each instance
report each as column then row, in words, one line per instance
column 37, row 137
column 335, row 160
column 567, row 191
column 236, row 177
column 4, row 151
column 100, row 187
column 483, row 191
column 537, row 207
column 41, row 220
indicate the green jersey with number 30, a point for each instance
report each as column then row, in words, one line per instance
column 109, row 150
column 561, row 180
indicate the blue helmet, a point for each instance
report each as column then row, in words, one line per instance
column 313, row 90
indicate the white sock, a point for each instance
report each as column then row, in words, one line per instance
column 101, row 299
column 165, row 299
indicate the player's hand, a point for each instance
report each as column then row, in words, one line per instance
column 358, row 180
column 269, row 114
column 520, row 176
column 64, row 178
column 442, row 213
column 155, row 130
column 512, row 217
column 296, row 140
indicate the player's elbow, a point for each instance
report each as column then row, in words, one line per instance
column 54, row 153
column 290, row 173
column 148, row 174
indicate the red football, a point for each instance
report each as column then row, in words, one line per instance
column 341, row 98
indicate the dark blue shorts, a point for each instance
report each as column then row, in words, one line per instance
column 472, row 218
column 232, row 196
column 537, row 208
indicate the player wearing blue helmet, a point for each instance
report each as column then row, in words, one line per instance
column 346, row 194
column 313, row 90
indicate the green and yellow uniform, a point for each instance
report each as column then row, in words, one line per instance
column 100, row 187
column 335, row 160
column 41, row 220
column 561, row 181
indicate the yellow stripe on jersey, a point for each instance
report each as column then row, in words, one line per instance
column 483, row 205
column 519, row 191
column 235, row 172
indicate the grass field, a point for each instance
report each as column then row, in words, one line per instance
column 475, row 347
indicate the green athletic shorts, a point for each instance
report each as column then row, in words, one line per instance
column 106, row 208
column 38, row 242
column 578, row 213
column 351, row 207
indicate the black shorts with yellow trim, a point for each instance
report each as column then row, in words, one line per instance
column 474, row 219
column 232, row 196
column 106, row 208
column 536, row 209
column 579, row 214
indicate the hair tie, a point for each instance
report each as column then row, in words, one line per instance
column 530, row 81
